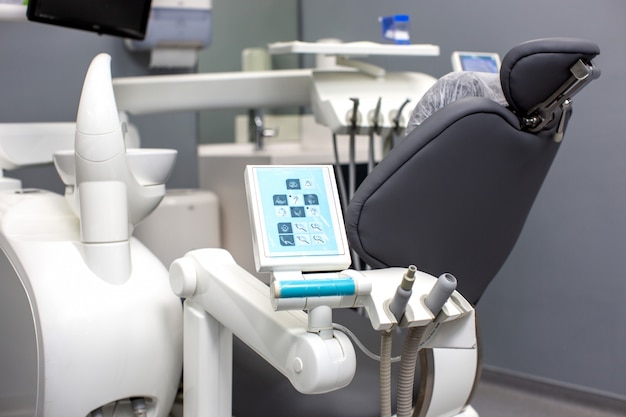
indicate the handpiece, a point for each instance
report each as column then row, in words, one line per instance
column 398, row 303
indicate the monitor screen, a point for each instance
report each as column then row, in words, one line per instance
column 476, row 61
column 125, row 18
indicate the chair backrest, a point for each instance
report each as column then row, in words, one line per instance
column 453, row 196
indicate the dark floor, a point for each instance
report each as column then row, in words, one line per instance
column 503, row 396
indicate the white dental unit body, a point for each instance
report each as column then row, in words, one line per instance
column 88, row 323
column 297, row 229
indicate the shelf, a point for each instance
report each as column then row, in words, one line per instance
column 353, row 48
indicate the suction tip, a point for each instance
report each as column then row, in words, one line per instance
column 442, row 290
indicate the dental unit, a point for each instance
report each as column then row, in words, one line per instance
column 92, row 321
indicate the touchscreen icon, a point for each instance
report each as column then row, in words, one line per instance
column 284, row 228
column 301, row 227
column 319, row 239
column 303, row 240
column 311, row 199
column 293, row 184
column 280, row 200
column 297, row 212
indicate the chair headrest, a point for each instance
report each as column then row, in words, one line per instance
column 532, row 71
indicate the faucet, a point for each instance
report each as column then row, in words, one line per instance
column 256, row 132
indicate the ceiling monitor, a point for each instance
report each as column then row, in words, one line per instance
column 124, row 18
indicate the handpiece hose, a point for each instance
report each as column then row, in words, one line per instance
column 435, row 300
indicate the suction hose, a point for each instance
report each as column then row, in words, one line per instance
column 397, row 307
column 408, row 364
column 443, row 288
column 385, row 373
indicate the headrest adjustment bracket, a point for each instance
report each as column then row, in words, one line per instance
column 541, row 114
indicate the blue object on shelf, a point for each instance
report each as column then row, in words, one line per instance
column 396, row 28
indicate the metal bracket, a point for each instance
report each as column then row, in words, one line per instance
column 541, row 114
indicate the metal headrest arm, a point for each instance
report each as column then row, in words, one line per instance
column 541, row 114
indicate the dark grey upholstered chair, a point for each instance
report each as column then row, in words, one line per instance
column 453, row 197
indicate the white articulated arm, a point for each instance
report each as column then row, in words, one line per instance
column 240, row 302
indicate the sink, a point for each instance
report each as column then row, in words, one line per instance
column 151, row 166
column 148, row 166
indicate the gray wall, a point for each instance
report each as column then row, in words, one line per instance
column 265, row 22
column 557, row 309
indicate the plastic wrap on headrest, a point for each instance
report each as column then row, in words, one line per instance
column 532, row 71
column 452, row 87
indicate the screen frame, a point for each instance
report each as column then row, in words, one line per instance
column 40, row 11
column 264, row 261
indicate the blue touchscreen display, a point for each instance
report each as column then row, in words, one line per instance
column 479, row 63
column 298, row 209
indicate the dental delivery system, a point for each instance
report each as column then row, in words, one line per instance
column 298, row 233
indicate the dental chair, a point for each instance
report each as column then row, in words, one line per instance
column 451, row 197
column 454, row 196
